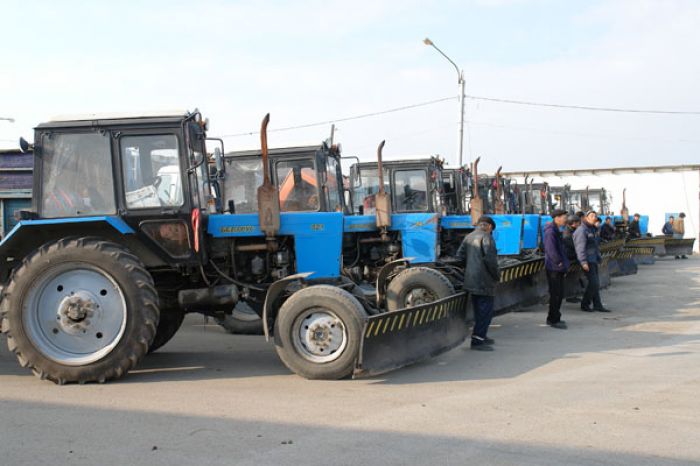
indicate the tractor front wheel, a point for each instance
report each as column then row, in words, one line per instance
column 318, row 332
column 415, row 286
column 80, row 310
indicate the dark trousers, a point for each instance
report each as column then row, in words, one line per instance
column 592, row 293
column 556, row 295
column 483, row 313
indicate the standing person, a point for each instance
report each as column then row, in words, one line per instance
column 478, row 250
column 572, row 223
column 634, row 230
column 588, row 254
column 607, row 231
column 679, row 230
column 668, row 227
column 556, row 263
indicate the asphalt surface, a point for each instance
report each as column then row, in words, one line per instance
column 620, row 388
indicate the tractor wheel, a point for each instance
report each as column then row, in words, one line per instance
column 415, row 286
column 242, row 321
column 80, row 310
column 168, row 325
column 318, row 332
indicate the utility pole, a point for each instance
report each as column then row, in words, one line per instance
column 460, row 88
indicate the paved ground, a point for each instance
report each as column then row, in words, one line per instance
column 613, row 389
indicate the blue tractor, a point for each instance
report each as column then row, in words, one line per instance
column 134, row 224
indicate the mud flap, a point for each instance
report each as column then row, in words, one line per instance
column 396, row 339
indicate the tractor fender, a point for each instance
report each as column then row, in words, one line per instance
column 383, row 275
column 273, row 292
column 28, row 235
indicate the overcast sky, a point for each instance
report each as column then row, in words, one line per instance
column 319, row 60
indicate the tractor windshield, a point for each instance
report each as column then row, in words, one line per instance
column 298, row 185
column 244, row 176
column 364, row 191
column 76, row 175
column 411, row 190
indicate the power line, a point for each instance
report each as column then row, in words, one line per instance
column 350, row 118
column 471, row 97
column 581, row 107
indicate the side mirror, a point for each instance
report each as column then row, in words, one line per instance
column 24, row 145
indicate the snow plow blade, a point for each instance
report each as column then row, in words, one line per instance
column 679, row 247
column 396, row 339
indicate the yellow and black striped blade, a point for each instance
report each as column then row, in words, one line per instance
column 396, row 339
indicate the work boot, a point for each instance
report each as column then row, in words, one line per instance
column 684, row 256
column 677, row 257
column 481, row 347
column 586, row 309
column 560, row 325
column 601, row 309
column 489, row 341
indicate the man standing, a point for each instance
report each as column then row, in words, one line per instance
column 572, row 223
column 668, row 227
column 478, row 250
column 588, row 254
column 634, row 231
column 607, row 231
column 556, row 263
column 679, row 230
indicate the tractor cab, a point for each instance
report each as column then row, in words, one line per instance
column 591, row 199
column 309, row 179
column 561, row 197
column 133, row 178
column 414, row 186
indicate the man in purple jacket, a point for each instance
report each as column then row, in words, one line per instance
column 557, row 263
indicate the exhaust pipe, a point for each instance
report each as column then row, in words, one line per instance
column 477, row 204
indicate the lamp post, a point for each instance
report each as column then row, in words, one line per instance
column 460, row 86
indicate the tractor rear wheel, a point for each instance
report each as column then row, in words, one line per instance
column 415, row 286
column 80, row 310
column 318, row 332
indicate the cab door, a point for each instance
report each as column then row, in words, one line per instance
column 154, row 190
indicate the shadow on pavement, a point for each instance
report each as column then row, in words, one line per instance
column 74, row 435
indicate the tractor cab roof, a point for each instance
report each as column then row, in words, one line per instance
column 282, row 152
column 117, row 119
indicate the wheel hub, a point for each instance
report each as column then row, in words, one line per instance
column 419, row 296
column 75, row 312
column 321, row 336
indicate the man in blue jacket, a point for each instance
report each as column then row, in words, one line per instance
column 556, row 263
column 587, row 245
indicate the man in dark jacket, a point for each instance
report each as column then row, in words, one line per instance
column 668, row 227
column 634, row 230
column 588, row 254
column 607, row 231
column 572, row 223
column 478, row 251
column 556, row 263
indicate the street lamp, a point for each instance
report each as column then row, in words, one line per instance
column 460, row 85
